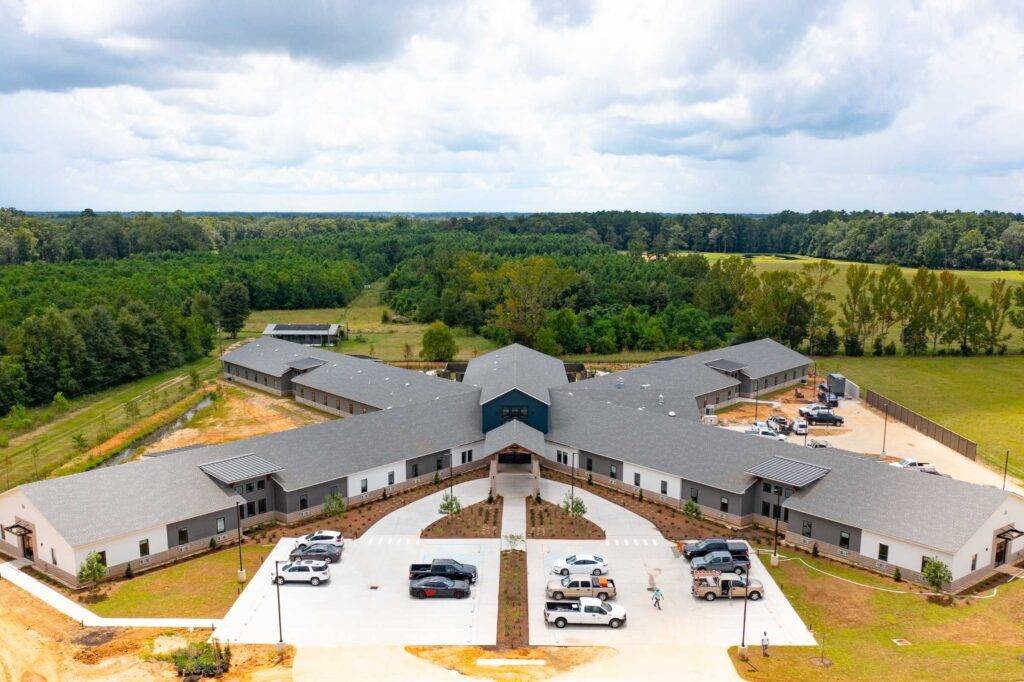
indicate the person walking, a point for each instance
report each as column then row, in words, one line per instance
column 764, row 644
column 656, row 598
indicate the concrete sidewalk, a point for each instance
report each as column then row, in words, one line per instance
column 11, row 571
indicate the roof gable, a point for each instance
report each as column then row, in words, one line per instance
column 515, row 367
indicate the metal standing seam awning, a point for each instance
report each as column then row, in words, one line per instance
column 788, row 471
column 244, row 467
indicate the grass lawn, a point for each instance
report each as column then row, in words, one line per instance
column 979, row 639
column 204, row 587
column 979, row 397
column 367, row 335
column 93, row 416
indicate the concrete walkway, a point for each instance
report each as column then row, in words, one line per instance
column 514, row 489
column 11, row 571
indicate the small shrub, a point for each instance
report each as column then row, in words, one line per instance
column 437, row 477
column 896, row 575
column 213, row 543
column 691, row 510
column 936, row 573
column 450, row 504
column 4, row 442
column 590, row 479
column 814, row 550
column 335, row 505
column 129, row 573
column 490, row 498
column 200, row 660
column 640, row 495
column 574, row 506
column 60, row 403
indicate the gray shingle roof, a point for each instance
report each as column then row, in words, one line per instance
column 762, row 357
column 300, row 329
column 515, row 367
column 234, row 469
column 725, row 365
column 859, row 491
column 377, row 384
column 788, row 471
column 514, row 432
column 271, row 356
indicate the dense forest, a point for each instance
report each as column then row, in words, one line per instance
column 955, row 240
column 91, row 300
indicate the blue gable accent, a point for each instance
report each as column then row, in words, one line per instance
column 536, row 411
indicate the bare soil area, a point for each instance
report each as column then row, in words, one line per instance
column 466, row 660
column 480, row 520
column 547, row 521
column 239, row 413
column 513, row 604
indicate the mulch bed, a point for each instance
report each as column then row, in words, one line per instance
column 670, row 522
column 547, row 521
column 513, row 605
column 358, row 520
column 480, row 520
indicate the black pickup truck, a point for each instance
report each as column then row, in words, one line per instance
column 692, row 550
column 449, row 568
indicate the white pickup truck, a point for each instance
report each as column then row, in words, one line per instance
column 584, row 611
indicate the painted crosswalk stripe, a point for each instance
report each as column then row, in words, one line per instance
column 645, row 542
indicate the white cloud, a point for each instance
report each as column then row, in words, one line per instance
column 464, row 105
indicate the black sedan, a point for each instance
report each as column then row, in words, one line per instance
column 320, row 552
column 436, row 586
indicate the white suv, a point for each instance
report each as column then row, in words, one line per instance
column 581, row 563
column 330, row 537
column 307, row 571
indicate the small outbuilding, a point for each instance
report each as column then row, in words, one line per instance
column 306, row 334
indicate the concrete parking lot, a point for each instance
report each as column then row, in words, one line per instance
column 635, row 551
column 367, row 601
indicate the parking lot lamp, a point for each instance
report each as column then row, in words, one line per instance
column 238, row 522
column 743, row 633
column 277, row 586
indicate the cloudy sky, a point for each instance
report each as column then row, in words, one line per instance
column 512, row 105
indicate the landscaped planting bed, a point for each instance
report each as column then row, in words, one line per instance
column 547, row 521
column 513, row 605
column 480, row 520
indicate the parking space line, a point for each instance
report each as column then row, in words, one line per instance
column 606, row 543
column 616, row 542
column 645, row 542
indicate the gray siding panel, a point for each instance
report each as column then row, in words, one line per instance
column 201, row 526
column 314, row 494
column 824, row 530
column 712, row 497
column 600, row 464
column 427, row 463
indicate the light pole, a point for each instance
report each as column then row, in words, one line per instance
column 757, row 388
column 572, row 478
column 885, row 428
column 277, row 586
column 778, row 515
column 743, row 633
column 238, row 523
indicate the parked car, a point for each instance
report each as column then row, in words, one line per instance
column 723, row 561
column 710, row 585
column 814, row 443
column 584, row 611
column 581, row 563
column 764, row 432
column 825, row 417
column 780, row 424
column 808, row 410
column 332, row 537
column 692, row 550
column 828, row 398
column 800, row 427
column 576, row 586
column 446, row 568
column 436, row 586
column 915, row 465
column 306, row 571
column 320, row 551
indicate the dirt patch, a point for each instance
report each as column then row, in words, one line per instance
column 547, row 521
column 513, row 605
column 239, row 413
column 165, row 644
column 480, row 520
column 465, row 660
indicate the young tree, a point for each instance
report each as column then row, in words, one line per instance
column 1017, row 314
column 966, row 324
column 438, row 343
column 573, row 505
column 995, row 312
column 92, row 570
column 816, row 276
column 232, row 307
column 530, row 286
column 920, row 312
column 450, row 504
column 889, row 299
column 334, row 505
column 949, row 290
column 936, row 573
column 858, row 314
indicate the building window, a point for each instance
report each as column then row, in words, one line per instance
column 693, row 494
column 221, row 525
column 53, row 556
column 391, row 478
column 364, row 486
column 239, row 489
column 883, row 552
column 263, row 505
column 974, row 562
column 250, row 508
column 103, row 555
column 844, row 539
column 303, row 502
column 636, row 479
column 332, row 490
column 143, row 548
column 664, row 487
column 519, row 412
column 723, row 505
column 440, row 463
column 766, row 509
column 415, row 470
column 806, row 530
column 590, row 464
column 261, row 484
column 785, row 515
column 766, row 487
column 183, row 536
column 249, row 487
column 241, row 511
column 612, row 471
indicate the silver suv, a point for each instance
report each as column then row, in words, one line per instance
column 305, row 571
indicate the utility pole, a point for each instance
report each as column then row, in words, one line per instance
column 885, row 428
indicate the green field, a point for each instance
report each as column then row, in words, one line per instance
column 978, row 281
column 980, row 397
column 96, row 416
column 367, row 335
